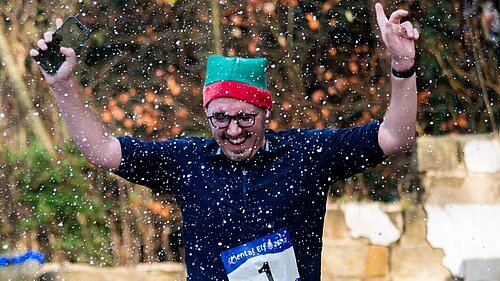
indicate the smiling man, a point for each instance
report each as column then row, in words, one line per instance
column 241, row 139
column 237, row 103
column 252, row 200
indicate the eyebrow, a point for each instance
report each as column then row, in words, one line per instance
column 239, row 113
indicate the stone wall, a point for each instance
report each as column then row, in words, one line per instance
column 452, row 235
column 409, row 258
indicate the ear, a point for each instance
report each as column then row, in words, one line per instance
column 268, row 113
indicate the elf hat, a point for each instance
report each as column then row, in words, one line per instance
column 233, row 77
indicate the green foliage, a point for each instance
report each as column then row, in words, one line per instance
column 58, row 197
column 460, row 67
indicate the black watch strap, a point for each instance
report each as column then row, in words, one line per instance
column 404, row 74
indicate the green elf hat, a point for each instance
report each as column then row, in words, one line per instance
column 233, row 77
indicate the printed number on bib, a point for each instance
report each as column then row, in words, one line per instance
column 269, row 258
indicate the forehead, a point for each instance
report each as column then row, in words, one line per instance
column 230, row 106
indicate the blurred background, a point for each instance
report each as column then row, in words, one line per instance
column 143, row 68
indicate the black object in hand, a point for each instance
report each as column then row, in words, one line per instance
column 72, row 34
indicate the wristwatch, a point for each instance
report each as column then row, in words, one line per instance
column 404, row 74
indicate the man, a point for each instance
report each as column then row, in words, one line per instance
column 253, row 201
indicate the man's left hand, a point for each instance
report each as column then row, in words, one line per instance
column 398, row 37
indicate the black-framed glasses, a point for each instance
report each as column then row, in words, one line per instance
column 221, row 121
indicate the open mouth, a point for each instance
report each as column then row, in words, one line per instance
column 239, row 141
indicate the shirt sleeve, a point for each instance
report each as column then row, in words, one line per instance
column 148, row 163
column 348, row 151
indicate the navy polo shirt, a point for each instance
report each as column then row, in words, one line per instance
column 225, row 203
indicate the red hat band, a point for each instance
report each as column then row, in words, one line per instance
column 237, row 90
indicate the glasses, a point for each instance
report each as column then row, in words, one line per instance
column 244, row 120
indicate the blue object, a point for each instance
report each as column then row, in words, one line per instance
column 29, row 255
column 235, row 257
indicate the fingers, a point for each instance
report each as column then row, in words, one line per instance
column 70, row 55
column 59, row 22
column 411, row 32
column 417, row 34
column 381, row 18
column 397, row 15
column 414, row 34
column 42, row 44
column 404, row 30
column 47, row 36
column 34, row 53
column 68, row 52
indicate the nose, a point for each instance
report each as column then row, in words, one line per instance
column 233, row 130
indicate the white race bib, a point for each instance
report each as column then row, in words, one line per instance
column 269, row 258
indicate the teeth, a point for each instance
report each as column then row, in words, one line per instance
column 236, row 141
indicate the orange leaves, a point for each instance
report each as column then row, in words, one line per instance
column 237, row 20
column 328, row 75
column 423, row 97
column 149, row 121
column 182, row 113
column 176, row 130
column 328, row 5
column 123, row 98
column 128, row 123
column 151, row 97
column 286, row 105
column 253, row 44
column 88, row 91
column 174, row 87
column 325, row 113
column 252, row 47
column 269, row 8
column 168, row 100
column 160, row 209
column 292, row 3
column 273, row 125
column 332, row 91
column 461, row 121
column 312, row 116
column 113, row 112
column 167, row 211
column 154, row 111
column 107, row 117
column 318, row 96
column 312, row 22
column 144, row 114
column 118, row 113
column 138, row 109
column 353, row 67
column 341, row 84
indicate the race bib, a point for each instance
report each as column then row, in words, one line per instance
column 269, row 258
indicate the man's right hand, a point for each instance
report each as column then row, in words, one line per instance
column 66, row 69
column 90, row 135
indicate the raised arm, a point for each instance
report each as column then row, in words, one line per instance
column 88, row 132
column 397, row 131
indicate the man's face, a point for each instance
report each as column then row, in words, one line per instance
column 237, row 142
